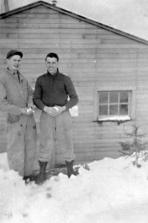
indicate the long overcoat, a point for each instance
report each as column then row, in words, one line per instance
column 15, row 93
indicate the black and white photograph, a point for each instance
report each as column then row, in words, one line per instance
column 73, row 111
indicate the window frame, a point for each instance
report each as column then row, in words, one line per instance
column 118, row 117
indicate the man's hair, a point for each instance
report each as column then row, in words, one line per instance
column 52, row 55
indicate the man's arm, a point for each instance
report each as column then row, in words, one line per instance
column 37, row 96
column 5, row 106
column 70, row 90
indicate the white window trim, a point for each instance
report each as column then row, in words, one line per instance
column 116, row 118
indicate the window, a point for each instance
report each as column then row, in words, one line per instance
column 114, row 105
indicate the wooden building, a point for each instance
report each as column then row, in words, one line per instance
column 108, row 67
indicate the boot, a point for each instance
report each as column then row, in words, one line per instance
column 29, row 178
column 42, row 175
column 70, row 170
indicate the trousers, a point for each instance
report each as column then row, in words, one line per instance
column 56, row 137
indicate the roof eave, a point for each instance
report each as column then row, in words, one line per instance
column 76, row 16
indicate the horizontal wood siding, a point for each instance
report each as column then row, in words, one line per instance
column 94, row 58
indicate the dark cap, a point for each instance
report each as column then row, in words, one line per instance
column 14, row 52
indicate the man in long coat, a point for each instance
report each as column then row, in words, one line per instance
column 15, row 100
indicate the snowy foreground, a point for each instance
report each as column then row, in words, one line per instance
column 113, row 190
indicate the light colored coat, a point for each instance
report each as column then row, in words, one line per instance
column 21, row 129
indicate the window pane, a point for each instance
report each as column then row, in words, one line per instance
column 103, row 110
column 123, row 109
column 103, row 97
column 113, row 110
column 114, row 103
column 113, row 97
column 123, row 97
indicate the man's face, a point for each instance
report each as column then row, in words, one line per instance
column 51, row 64
column 13, row 62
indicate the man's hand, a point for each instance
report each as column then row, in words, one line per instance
column 50, row 111
column 54, row 111
column 60, row 109
column 27, row 111
column 31, row 105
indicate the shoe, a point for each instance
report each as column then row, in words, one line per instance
column 42, row 174
column 70, row 169
column 29, row 178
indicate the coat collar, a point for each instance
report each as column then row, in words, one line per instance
column 15, row 74
column 53, row 75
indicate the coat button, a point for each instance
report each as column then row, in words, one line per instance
column 34, row 126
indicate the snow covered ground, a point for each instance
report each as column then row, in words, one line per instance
column 111, row 191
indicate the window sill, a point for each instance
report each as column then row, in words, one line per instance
column 117, row 119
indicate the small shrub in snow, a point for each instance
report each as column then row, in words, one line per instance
column 134, row 145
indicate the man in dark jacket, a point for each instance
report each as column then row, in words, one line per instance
column 55, row 95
